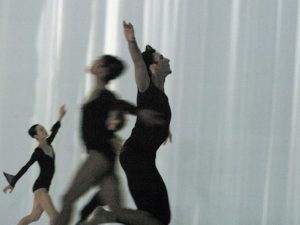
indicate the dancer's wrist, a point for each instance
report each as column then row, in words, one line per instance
column 133, row 40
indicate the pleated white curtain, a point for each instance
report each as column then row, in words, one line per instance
column 234, row 94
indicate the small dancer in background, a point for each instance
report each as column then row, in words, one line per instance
column 45, row 156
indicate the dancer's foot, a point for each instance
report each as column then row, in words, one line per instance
column 100, row 216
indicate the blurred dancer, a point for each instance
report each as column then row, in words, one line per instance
column 101, row 145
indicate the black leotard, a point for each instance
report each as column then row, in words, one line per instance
column 46, row 163
column 155, row 99
column 94, row 132
column 138, row 156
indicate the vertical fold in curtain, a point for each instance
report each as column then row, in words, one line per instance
column 48, row 47
column 293, row 190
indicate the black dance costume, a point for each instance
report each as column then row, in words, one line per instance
column 139, row 152
column 95, row 134
column 46, row 163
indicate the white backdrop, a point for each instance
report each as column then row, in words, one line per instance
column 234, row 93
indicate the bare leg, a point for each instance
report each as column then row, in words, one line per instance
column 110, row 194
column 91, row 171
column 46, row 204
column 35, row 213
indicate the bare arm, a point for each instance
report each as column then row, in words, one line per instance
column 62, row 112
column 141, row 74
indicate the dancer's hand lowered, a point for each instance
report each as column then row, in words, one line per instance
column 8, row 189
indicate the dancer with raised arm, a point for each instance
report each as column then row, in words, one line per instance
column 45, row 156
column 101, row 145
column 139, row 151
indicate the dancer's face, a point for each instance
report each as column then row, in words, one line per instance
column 41, row 133
column 162, row 65
column 98, row 68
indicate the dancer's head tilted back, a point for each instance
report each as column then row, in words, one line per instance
column 38, row 132
column 138, row 155
column 156, row 63
column 107, row 67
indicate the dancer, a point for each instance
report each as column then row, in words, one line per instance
column 139, row 151
column 115, row 122
column 45, row 156
column 98, row 168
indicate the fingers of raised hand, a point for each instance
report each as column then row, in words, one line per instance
column 127, row 25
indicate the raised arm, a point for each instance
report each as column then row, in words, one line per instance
column 56, row 126
column 141, row 74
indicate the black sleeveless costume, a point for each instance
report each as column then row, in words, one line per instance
column 138, row 156
column 96, row 136
column 46, row 163
column 94, row 132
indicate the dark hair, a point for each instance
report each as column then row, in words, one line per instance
column 115, row 67
column 32, row 130
column 148, row 57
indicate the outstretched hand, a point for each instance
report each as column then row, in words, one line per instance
column 128, row 31
column 62, row 112
column 8, row 189
column 151, row 117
